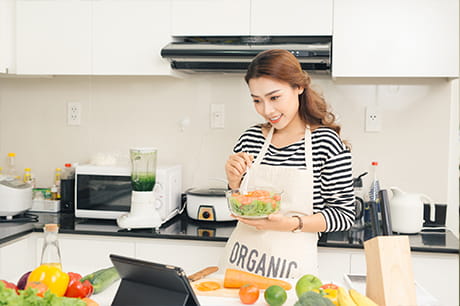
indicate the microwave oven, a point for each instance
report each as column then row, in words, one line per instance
column 104, row 192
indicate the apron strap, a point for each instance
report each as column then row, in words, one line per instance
column 308, row 151
column 264, row 149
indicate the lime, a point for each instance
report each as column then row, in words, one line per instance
column 275, row 295
column 306, row 283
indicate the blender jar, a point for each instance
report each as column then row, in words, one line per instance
column 143, row 168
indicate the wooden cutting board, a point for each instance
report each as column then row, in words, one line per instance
column 222, row 292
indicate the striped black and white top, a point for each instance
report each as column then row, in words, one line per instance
column 333, row 194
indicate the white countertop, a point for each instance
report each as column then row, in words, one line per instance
column 105, row 298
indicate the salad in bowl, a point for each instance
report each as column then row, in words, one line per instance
column 255, row 204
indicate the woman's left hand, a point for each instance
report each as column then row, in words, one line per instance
column 274, row 222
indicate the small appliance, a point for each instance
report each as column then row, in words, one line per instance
column 207, row 204
column 15, row 197
column 143, row 213
column 407, row 211
column 105, row 192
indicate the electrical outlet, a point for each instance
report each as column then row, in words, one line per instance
column 73, row 113
column 373, row 119
column 217, row 116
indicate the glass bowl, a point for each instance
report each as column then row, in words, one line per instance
column 257, row 203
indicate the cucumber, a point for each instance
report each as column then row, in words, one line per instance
column 102, row 279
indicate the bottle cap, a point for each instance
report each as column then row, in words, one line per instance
column 58, row 169
column 374, row 163
column 68, row 165
column 26, row 169
column 11, row 154
column 51, row 227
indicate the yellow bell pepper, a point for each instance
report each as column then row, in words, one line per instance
column 53, row 277
column 329, row 293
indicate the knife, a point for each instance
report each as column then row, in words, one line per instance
column 202, row 273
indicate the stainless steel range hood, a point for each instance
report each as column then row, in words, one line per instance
column 233, row 54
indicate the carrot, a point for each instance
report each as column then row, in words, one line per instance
column 236, row 278
column 208, row 286
column 89, row 302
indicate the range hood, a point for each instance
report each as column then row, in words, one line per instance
column 233, row 54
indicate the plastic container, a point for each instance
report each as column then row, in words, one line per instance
column 11, row 166
column 57, row 182
column 51, row 254
column 372, row 197
column 68, row 189
column 255, row 204
column 375, row 184
column 27, row 177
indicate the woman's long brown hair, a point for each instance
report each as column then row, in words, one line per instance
column 283, row 66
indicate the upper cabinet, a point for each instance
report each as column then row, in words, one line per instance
column 210, row 17
column 128, row 36
column 396, row 38
column 99, row 37
column 7, row 56
column 291, row 17
column 251, row 17
column 53, row 37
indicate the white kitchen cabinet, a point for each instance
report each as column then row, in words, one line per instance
column 254, row 17
column 210, row 17
column 437, row 273
column 53, row 37
column 92, row 37
column 128, row 36
column 7, row 26
column 85, row 254
column 333, row 264
column 291, row 17
column 190, row 255
column 414, row 38
column 16, row 258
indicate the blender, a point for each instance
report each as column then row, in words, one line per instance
column 143, row 213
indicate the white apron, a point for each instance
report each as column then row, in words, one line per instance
column 275, row 253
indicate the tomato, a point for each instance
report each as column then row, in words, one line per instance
column 41, row 287
column 330, row 286
column 249, row 294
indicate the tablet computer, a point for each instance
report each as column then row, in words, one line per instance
column 149, row 283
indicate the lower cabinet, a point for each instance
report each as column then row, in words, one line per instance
column 333, row 264
column 190, row 255
column 17, row 258
column 437, row 273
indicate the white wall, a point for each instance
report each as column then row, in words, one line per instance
column 414, row 148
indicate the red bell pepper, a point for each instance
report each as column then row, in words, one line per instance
column 77, row 288
column 10, row 285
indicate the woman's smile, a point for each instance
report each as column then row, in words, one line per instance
column 276, row 119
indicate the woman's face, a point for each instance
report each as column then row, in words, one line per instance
column 276, row 101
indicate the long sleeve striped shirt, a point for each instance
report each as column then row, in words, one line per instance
column 333, row 194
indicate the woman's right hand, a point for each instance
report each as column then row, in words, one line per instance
column 235, row 168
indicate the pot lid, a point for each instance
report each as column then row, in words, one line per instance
column 208, row 192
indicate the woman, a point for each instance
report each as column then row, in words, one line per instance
column 298, row 150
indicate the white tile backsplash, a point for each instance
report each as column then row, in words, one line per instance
column 121, row 112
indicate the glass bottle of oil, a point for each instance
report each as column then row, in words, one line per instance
column 51, row 254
